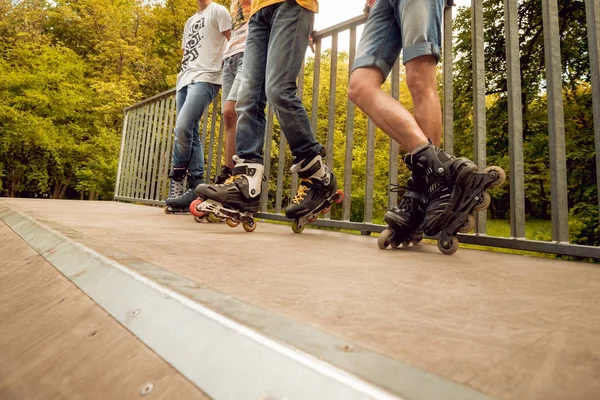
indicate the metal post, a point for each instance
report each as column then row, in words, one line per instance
column 393, row 161
column 347, row 205
column 331, row 110
column 592, row 12
column 479, row 128
column 448, row 83
column 556, row 123
column 515, row 121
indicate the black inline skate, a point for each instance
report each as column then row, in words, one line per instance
column 317, row 191
column 405, row 221
column 177, row 201
column 454, row 189
column 236, row 200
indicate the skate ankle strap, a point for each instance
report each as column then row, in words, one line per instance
column 307, row 173
column 243, row 169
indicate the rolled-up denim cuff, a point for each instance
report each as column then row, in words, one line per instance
column 374, row 62
column 421, row 49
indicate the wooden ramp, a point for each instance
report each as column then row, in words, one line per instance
column 272, row 314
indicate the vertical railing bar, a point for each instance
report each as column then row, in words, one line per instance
column 122, row 155
column 592, row 12
column 515, row 120
column 393, row 161
column 138, row 150
column 315, row 88
column 332, row 100
column 280, row 174
column 155, row 151
column 556, row 122
column 121, row 149
column 143, row 173
column 135, row 134
column 204, row 128
column 369, row 186
column 347, row 204
column 170, row 139
column 163, row 149
column 220, row 147
column 129, row 152
column 448, row 83
column 150, row 168
column 479, row 128
column 264, row 197
column 213, row 126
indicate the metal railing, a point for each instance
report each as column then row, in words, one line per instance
column 148, row 135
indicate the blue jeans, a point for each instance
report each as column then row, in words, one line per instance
column 275, row 49
column 412, row 25
column 192, row 101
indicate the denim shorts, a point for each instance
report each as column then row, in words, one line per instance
column 232, row 71
column 412, row 25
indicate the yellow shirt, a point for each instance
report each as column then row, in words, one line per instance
column 312, row 5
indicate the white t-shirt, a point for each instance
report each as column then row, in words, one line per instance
column 240, row 14
column 203, row 45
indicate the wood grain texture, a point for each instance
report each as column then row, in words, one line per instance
column 56, row 343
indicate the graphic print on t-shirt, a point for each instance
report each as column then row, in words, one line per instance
column 240, row 10
column 193, row 44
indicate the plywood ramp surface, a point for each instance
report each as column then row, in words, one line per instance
column 509, row 326
column 56, row 343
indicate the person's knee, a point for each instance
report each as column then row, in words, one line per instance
column 421, row 78
column 278, row 94
column 361, row 87
column 229, row 114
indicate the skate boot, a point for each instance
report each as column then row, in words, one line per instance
column 236, row 200
column 317, row 190
column 182, row 203
column 176, row 187
column 454, row 189
column 226, row 172
column 405, row 221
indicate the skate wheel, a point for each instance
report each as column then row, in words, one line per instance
column 199, row 219
column 313, row 219
column 499, row 173
column 167, row 210
column 484, row 202
column 406, row 243
column 448, row 247
column 194, row 208
column 212, row 218
column 340, row 197
column 326, row 210
column 385, row 239
column 468, row 226
column 249, row 226
column 296, row 228
column 232, row 223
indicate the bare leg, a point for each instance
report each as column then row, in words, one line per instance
column 365, row 91
column 230, row 120
column 421, row 81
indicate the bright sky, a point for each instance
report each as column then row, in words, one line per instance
column 333, row 12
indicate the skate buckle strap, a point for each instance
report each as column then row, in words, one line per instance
column 302, row 191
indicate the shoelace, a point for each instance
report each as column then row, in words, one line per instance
column 302, row 191
column 405, row 202
column 176, row 188
column 230, row 179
